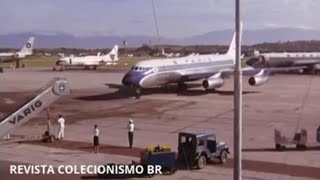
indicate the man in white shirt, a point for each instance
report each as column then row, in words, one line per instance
column 61, row 122
column 130, row 132
column 96, row 139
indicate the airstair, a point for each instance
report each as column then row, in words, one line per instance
column 40, row 99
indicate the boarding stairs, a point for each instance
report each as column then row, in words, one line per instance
column 37, row 102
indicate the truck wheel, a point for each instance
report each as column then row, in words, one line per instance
column 202, row 161
column 278, row 147
column 223, row 157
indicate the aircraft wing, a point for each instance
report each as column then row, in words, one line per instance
column 247, row 71
column 250, row 71
column 306, row 62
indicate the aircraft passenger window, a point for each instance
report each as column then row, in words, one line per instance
column 136, row 68
column 311, row 55
column 175, row 62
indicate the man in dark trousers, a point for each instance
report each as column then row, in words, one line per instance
column 130, row 132
column 96, row 138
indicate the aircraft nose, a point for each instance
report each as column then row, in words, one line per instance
column 252, row 61
column 132, row 79
column 60, row 62
column 126, row 80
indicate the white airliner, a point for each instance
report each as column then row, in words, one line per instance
column 211, row 68
column 26, row 50
column 164, row 54
column 284, row 59
column 89, row 61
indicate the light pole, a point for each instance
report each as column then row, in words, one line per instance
column 237, row 165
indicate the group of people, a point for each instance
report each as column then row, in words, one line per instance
column 96, row 135
column 61, row 122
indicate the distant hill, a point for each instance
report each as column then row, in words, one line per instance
column 214, row 37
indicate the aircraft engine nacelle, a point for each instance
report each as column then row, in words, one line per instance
column 258, row 79
column 212, row 83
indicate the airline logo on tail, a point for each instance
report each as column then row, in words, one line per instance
column 27, row 49
column 114, row 53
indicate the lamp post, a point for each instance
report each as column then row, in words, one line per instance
column 237, row 166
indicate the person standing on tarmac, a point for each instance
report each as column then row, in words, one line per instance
column 49, row 126
column 96, row 139
column 130, row 132
column 61, row 122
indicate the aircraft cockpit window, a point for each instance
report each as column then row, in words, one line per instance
column 140, row 69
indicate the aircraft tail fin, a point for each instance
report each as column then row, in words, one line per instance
column 114, row 53
column 27, row 49
column 256, row 53
column 232, row 47
column 162, row 51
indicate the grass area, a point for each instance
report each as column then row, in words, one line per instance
column 123, row 63
column 34, row 62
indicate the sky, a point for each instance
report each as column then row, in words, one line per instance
column 176, row 18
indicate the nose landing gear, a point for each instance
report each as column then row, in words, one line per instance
column 138, row 93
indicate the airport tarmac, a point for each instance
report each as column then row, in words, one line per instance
column 285, row 102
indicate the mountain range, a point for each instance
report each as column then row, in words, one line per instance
column 221, row 37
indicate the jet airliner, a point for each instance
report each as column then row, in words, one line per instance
column 284, row 59
column 89, row 61
column 26, row 50
column 211, row 69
